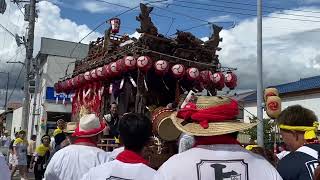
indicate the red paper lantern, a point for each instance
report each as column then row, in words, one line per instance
column 193, row 74
column 218, row 80
column 114, row 69
column 69, row 85
column 130, row 63
column 231, row 80
column 144, row 63
column 178, row 70
column 87, row 76
column 57, row 87
column 206, row 76
column 100, row 72
column 79, row 80
column 106, row 72
column 93, row 74
column 115, row 25
column 120, row 65
column 63, row 85
column 161, row 67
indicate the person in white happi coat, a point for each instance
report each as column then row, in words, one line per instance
column 216, row 155
column 135, row 131
column 73, row 161
column 4, row 169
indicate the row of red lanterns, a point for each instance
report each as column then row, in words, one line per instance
column 144, row 64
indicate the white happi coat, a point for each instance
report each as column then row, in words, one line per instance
column 73, row 161
column 4, row 169
column 217, row 162
column 115, row 153
column 117, row 170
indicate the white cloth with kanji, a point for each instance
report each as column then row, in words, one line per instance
column 73, row 161
column 217, row 162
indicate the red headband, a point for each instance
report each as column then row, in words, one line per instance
column 219, row 113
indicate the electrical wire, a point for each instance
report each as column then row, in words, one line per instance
column 16, row 83
column 245, row 9
column 239, row 13
column 190, row 17
column 11, row 33
column 265, row 6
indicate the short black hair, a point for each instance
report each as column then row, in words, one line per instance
column 33, row 136
column 297, row 116
column 135, row 131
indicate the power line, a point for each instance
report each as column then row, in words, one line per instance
column 246, row 14
column 265, row 6
column 15, row 84
column 190, row 17
column 245, row 9
column 11, row 33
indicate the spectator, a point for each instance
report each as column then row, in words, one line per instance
column 112, row 120
column 31, row 148
column 135, row 132
column 216, row 154
column 298, row 127
column 60, row 127
column 12, row 158
column 73, row 161
column 4, row 169
column 20, row 146
column 40, row 158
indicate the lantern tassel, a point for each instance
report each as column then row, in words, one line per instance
column 133, row 82
column 165, row 85
column 110, row 89
column 121, row 83
column 145, row 84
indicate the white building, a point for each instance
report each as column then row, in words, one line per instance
column 305, row 92
column 16, row 121
column 56, row 58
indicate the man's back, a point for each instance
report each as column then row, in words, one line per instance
column 120, row 170
column 299, row 165
column 73, row 161
column 217, row 162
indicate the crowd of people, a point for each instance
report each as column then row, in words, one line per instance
column 208, row 148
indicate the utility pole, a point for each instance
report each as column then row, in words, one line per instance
column 29, row 55
column 37, row 87
column 259, row 76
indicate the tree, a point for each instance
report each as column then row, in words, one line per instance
column 268, row 128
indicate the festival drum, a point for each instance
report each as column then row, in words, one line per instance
column 163, row 126
column 157, row 152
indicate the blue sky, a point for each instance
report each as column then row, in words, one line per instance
column 93, row 12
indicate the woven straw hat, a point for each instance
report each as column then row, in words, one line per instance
column 70, row 128
column 215, row 128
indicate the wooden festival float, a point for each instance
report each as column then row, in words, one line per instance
column 144, row 75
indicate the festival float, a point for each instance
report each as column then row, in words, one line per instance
column 144, row 75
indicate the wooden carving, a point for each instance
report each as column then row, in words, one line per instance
column 215, row 39
column 146, row 25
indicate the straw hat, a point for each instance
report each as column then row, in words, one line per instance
column 89, row 126
column 214, row 127
column 70, row 128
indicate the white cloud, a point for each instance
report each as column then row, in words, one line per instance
column 49, row 24
column 290, row 49
column 223, row 18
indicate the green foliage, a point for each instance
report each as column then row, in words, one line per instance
column 268, row 128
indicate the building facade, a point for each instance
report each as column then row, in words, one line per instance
column 56, row 59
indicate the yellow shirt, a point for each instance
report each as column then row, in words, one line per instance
column 41, row 150
column 57, row 131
